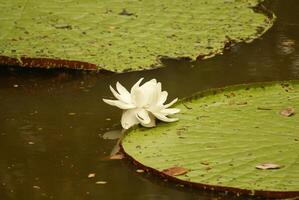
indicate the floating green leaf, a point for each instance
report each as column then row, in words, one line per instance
column 223, row 135
column 123, row 35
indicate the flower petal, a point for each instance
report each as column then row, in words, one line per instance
column 139, row 98
column 156, row 93
column 149, row 85
column 126, row 96
column 164, row 118
column 150, row 93
column 128, row 118
column 152, row 121
column 116, row 95
column 171, row 103
column 170, row 111
column 143, row 116
column 162, row 98
column 136, row 85
column 119, row 104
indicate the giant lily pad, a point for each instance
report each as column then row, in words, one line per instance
column 123, row 35
column 224, row 136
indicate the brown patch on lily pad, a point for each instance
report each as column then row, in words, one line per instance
column 204, row 163
column 242, row 103
column 175, row 171
column 266, row 166
column 287, row 112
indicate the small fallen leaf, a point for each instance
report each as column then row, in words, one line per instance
column 101, row 182
column 268, row 166
column 139, row 170
column 117, row 157
column 91, row 175
column 175, row 171
column 287, row 112
column 36, row 187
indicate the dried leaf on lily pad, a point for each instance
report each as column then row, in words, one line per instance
column 268, row 166
column 287, row 112
column 175, row 171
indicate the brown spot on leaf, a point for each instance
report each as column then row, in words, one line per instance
column 287, row 112
column 124, row 12
column 204, row 163
column 208, row 168
column 268, row 166
column 242, row 103
column 186, row 106
column 263, row 108
column 63, row 26
column 175, row 171
column 229, row 95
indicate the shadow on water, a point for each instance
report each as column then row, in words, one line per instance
column 52, row 122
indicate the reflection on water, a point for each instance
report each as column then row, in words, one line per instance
column 52, row 123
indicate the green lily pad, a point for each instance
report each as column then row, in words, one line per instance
column 123, row 35
column 232, row 139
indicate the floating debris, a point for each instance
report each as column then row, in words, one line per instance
column 116, row 157
column 101, row 182
column 91, row 175
column 36, row 187
column 140, row 171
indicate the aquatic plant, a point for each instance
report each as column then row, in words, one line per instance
column 143, row 104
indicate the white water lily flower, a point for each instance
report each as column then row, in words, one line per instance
column 143, row 104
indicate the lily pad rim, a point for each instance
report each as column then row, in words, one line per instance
column 217, row 188
column 233, row 87
column 209, row 187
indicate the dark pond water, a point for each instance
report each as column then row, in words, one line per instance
column 51, row 122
